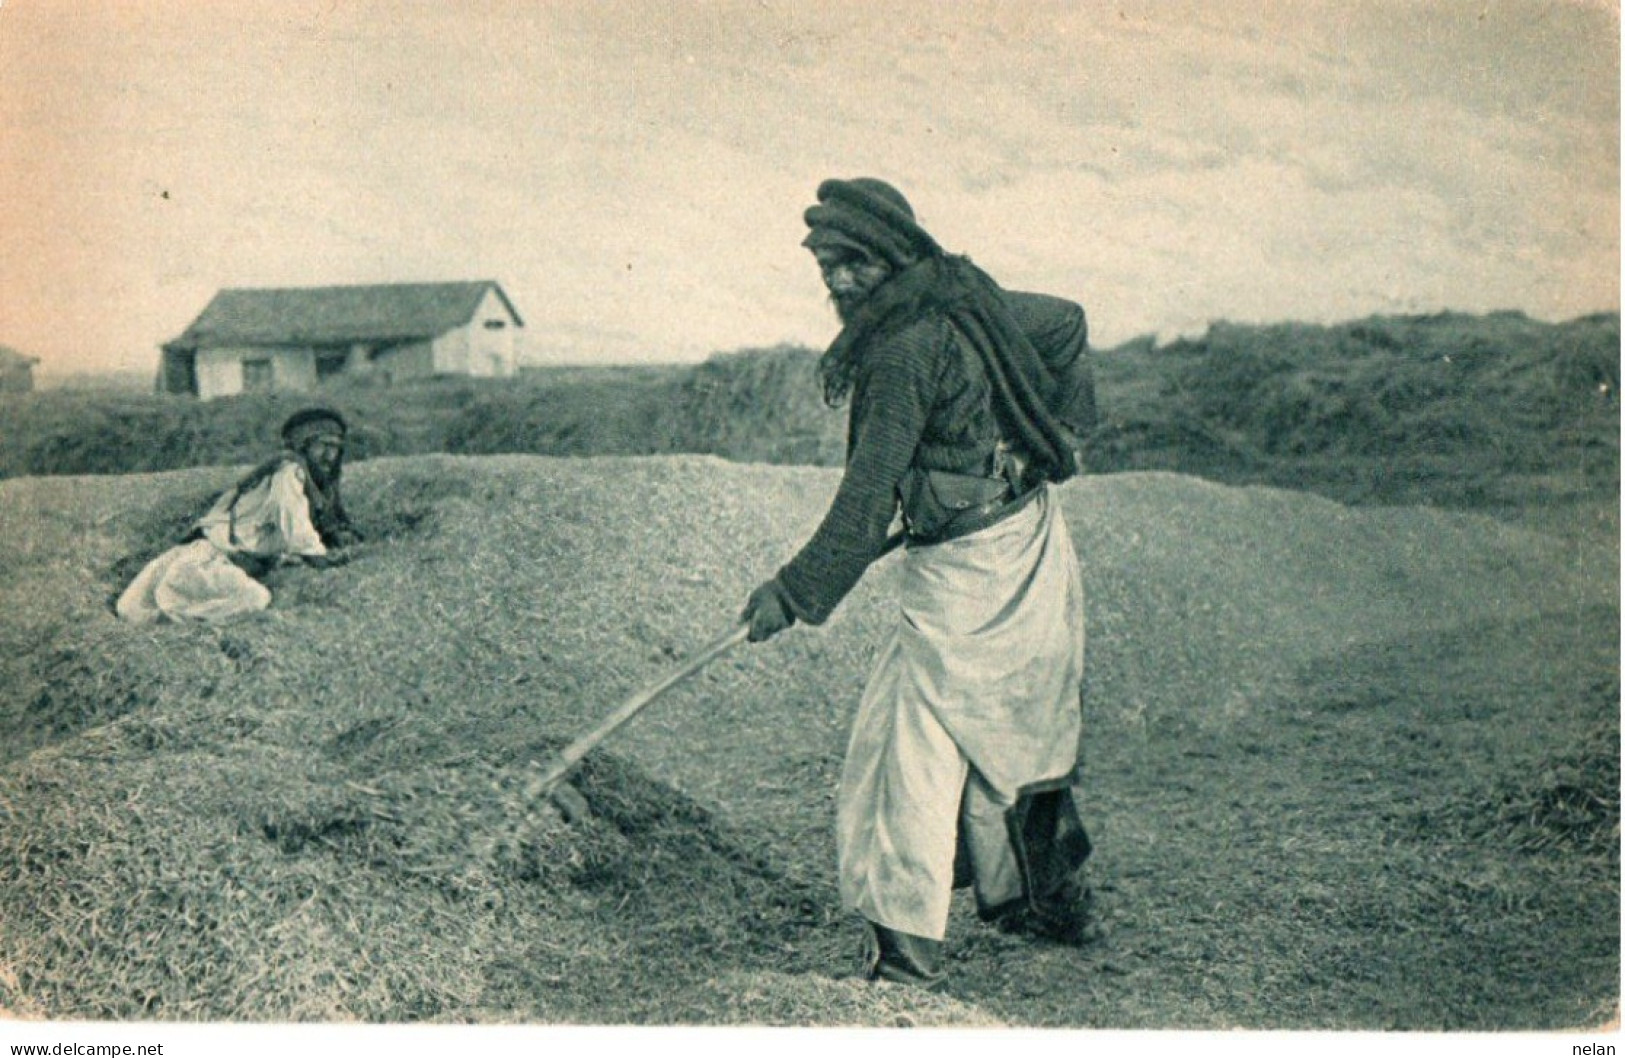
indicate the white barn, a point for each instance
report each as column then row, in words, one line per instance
column 299, row 338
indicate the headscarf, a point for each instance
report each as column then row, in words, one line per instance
column 874, row 217
column 871, row 216
column 307, row 424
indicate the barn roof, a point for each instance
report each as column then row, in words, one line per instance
column 335, row 315
column 11, row 359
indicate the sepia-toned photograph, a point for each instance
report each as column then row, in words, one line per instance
column 767, row 517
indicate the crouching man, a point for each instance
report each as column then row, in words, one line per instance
column 286, row 510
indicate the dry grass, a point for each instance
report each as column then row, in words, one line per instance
column 1332, row 753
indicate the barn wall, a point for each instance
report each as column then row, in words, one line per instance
column 484, row 347
column 491, row 339
column 414, row 360
column 451, row 352
column 220, row 372
column 295, row 370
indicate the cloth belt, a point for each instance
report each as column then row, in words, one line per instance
column 972, row 519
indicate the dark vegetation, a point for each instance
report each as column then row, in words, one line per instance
column 1461, row 411
column 1454, row 410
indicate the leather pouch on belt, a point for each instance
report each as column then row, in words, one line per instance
column 932, row 499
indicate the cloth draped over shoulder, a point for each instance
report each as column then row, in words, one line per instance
column 324, row 506
column 1027, row 392
column 273, row 511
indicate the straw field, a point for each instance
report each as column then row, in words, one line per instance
column 1347, row 767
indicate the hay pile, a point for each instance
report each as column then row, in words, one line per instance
column 1565, row 805
column 245, row 885
column 317, row 813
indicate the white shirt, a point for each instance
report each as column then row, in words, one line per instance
column 272, row 518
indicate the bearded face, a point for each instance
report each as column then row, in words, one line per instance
column 325, row 457
column 850, row 277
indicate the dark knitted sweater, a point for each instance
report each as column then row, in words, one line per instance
column 920, row 398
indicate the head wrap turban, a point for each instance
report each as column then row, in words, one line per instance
column 868, row 215
column 309, row 423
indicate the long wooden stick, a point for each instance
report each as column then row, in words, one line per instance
column 554, row 771
column 571, row 755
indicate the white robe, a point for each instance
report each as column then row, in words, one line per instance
column 197, row 581
column 974, row 699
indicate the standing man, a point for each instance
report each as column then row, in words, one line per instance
column 287, row 510
column 966, row 402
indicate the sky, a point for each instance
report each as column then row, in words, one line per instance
column 633, row 173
